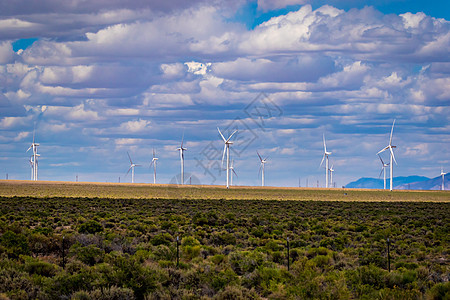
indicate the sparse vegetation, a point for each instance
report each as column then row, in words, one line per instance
column 233, row 249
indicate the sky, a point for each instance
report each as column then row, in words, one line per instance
column 102, row 78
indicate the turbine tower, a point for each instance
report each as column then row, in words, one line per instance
column 383, row 170
column 392, row 157
column 232, row 171
column 34, row 160
column 154, row 166
column 32, row 167
column 226, row 149
column 132, row 165
column 331, row 175
column 182, row 149
column 325, row 155
column 443, row 177
column 261, row 167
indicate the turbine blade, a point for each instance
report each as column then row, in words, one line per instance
column 229, row 138
column 382, row 169
column 151, row 164
column 393, row 156
column 382, row 162
column 128, row 171
column 259, row 156
column 323, row 158
column 224, row 150
column 382, row 150
column 392, row 131
column 223, row 138
column 129, row 157
column 182, row 140
column 324, row 144
column 259, row 172
column 234, row 172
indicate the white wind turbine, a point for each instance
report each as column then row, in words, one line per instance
column 261, row 167
column 154, row 160
column 443, row 177
column 226, row 149
column 34, row 160
column 383, row 170
column 325, row 155
column 182, row 149
column 392, row 157
column 331, row 175
column 132, row 165
column 232, row 171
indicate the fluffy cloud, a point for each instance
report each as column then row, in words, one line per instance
column 110, row 75
column 134, row 126
column 267, row 5
column 6, row 52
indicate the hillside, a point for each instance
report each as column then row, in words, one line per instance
column 430, row 184
column 375, row 183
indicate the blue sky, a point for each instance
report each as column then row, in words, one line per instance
column 100, row 79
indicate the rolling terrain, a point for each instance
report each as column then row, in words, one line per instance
column 43, row 189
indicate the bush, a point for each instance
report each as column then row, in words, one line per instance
column 162, row 239
column 41, row 268
column 17, row 285
column 90, row 255
column 91, row 226
column 15, row 244
column 439, row 291
column 112, row 293
column 246, row 262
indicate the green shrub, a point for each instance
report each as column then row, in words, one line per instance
column 439, row 291
column 91, row 226
column 162, row 239
column 41, row 268
column 90, row 254
column 14, row 243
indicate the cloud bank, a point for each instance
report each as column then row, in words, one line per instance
column 114, row 77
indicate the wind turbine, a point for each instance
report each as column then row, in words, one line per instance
column 331, row 175
column 383, row 170
column 232, row 171
column 443, row 177
column 325, row 155
column 261, row 167
column 182, row 149
column 392, row 157
column 154, row 166
column 132, row 165
column 226, row 149
column 34, row 160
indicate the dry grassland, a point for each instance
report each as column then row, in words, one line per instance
column 45, row 189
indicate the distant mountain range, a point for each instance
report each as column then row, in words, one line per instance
column 402, row 183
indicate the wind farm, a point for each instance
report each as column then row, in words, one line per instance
column 226, row 158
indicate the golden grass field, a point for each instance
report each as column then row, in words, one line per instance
column 44, row 189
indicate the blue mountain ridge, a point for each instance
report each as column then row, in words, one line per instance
column 400, row 182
